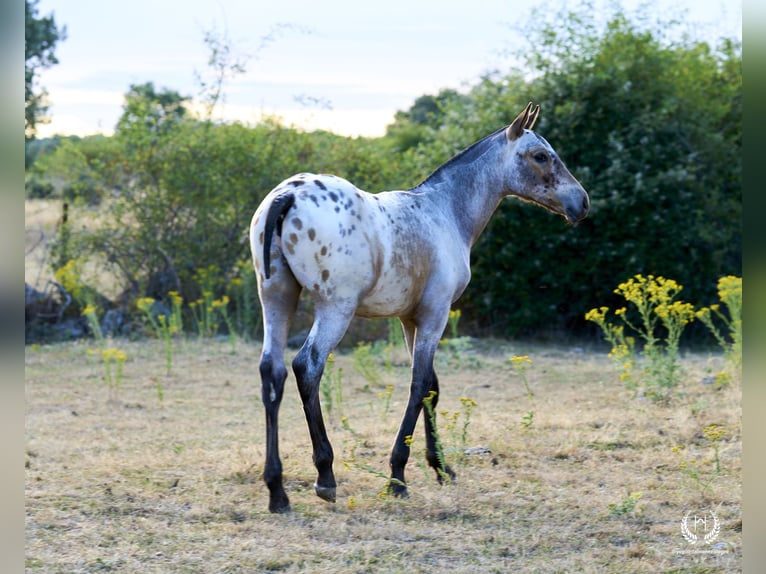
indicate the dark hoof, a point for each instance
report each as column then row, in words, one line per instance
column 398, row 490
column 446, row 473
column 279, row 507
column 279, row 504
column 325, row 492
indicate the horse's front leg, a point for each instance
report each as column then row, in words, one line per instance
column 422, row 341
column 434, row 448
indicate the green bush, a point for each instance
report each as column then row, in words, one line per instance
column 188, row 191
column 652, row 128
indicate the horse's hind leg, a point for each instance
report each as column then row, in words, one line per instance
column 279, row 301
column 330, row 324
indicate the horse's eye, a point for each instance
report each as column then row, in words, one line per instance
column 540, row 157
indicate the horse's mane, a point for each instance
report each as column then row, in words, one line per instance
column 466, row 156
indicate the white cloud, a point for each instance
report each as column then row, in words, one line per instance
column 70, row 125
column 69, row 96
column 346, row 122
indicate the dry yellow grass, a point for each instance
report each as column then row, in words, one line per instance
column 142, row 485
column 42, row 218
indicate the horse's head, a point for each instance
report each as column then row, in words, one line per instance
column 536, row 173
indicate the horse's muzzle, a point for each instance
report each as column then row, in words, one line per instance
column 577, row 206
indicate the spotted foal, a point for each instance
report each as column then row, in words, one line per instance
column 402, row 254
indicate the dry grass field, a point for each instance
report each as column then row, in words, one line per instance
column 163, row 473
column 41, row 217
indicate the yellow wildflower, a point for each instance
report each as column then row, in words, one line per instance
column 175, row 297
column 703, row 313
column 596, row 315
column 144, row 303
column 519, row 361
column 89, row 309
column 467, row 402
column 729, row 287
column 714, row 432
column 68, row 277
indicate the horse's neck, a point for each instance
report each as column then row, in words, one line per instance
column 470, row 192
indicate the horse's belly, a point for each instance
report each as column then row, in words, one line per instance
column 394, row 294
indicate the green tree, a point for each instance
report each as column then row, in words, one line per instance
column 652, row 128
column 149, row 111
column 76, row 169
column 41, row 37
column 409, row 127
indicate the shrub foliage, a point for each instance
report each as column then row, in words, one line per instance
column 651, row 127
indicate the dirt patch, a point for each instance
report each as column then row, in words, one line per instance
column 163, row 473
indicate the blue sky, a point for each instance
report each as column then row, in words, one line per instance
column 360, row 61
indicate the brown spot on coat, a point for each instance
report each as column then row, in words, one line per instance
column 312, row 234
column 324, row 250
column 293, row 238
column 260, row 238
column 297, row 223
column 325, row 275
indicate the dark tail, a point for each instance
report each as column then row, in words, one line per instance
column 274, row 218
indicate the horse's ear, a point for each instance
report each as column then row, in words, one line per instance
column 518, row 126
column 532, row 118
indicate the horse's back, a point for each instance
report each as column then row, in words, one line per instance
column 344, row 244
